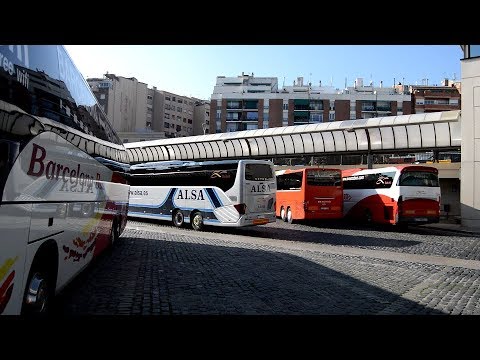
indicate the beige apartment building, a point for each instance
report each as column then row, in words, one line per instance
column 139, row 113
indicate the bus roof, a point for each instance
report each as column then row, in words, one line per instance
column 350, row 172
column 180, row 165
column 289, row 171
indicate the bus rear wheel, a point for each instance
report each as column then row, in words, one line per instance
column 178, row 218
column 283, row 215
column 368, row 216
column 197, row 221
column 115, row 234
column 289, row 216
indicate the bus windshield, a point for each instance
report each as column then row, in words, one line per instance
column 258, row 172
column 419, row 178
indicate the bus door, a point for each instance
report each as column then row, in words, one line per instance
column 15, row 225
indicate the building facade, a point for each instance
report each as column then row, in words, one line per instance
column 435, row 98
column 247, row 102
column 470, row 169
column 201, row 117
column 140, row 113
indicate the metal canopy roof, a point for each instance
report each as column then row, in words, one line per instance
column 416, row 132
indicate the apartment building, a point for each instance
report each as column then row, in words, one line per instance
column 427, row 98
column 140, row 113
column 173, row 114
column 128, row 104
column 246, row 102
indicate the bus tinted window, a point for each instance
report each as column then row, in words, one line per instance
column 381, row 180
column 292, row 181
column 258, row 172
column 419, row 178
column 323, row 178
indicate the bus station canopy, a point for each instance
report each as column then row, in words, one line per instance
column 415, row 132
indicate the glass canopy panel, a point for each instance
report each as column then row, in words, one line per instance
column 279, row 145
column 289, row 148
column 428, row 135
column 443, row 134
column 414, row 138
column 400, row 133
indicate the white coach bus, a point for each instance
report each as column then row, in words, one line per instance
column 63, row 198
column 220, row 193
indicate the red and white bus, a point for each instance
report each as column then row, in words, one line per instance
column 309, row 193
column 63, row 197
column 392, row 195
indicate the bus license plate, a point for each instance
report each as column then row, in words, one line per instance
column 420, row 219
column 260, row 221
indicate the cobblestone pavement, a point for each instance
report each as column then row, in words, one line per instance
column 279, row 269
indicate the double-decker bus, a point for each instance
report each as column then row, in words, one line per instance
column 63, row 197
column 392, row 195
column 309, row 193
column 221, row 193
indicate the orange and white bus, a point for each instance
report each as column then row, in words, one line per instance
column 63, row 194
column 392, row 195
column 309, row 193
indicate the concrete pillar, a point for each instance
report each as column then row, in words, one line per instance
column 470, row 170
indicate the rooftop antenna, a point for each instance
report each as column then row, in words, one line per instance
column 283, row 82
column 331, row 80
column 345, row 82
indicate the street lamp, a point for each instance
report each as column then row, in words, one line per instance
column 204, row 127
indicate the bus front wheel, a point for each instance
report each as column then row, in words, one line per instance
column 178, row 218
column 197, row 221
column 283, row 215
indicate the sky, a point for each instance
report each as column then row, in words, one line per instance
column 191, row 70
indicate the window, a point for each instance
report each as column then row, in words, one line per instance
column 102, row 96
column 189, row 121
column 149, row 97
column 166, row 125
column 180, row 101
column 285, row 106
column 184, row 120
column 149, row 124
column 219, row 114
column 331, row 116
column 174, row 98
column 332, row 105
column 167, row 116
column 252, row 115
column 167, row 98
column 369, row 181
column 179, row 109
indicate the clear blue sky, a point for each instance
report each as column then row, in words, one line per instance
column 192, row 70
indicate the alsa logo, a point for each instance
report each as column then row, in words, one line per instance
column 52, row 171
column 261, row 188
column 190, row 194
